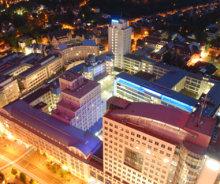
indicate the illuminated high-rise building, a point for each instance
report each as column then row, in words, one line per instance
column 119, row 40
column 154, row 144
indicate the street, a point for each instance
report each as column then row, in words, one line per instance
column 30, row 162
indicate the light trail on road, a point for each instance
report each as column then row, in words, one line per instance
column 39, row 180
column 16, row 160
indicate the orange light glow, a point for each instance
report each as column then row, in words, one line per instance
column 84, row 3
column 44, row 41
column 136, row 37
column 67, row 26
column 134, row 20
column 201, row 57
column 193, row 60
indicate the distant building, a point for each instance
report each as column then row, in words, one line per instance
column 80, row 104
column 35, row 48
column 99, row 66
column 25, row 41
column 77, row 52
column 60, row 37
column 119, row 40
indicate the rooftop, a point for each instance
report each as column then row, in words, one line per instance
column 82, row 90
column 67, row 135
column 164, row 117
column 59, row 33
column 159, row 91
column 39, row 64
column 164, row 86
column 88, row 43
column 175, row 75
column 36, row 94
column 70, row 76
column 30, row 71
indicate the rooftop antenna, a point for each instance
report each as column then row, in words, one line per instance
column 203, row 104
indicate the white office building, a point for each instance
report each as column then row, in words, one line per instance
column 119, row 40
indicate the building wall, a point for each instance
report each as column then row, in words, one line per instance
column 9, row 92
column 58, row 155
column 135, row 65
column 119, row 41
column 180, row 85
column 49, row 98
column 96, row 176
column 34, row 79
column 90, row 110
column 131, row 156
column 94, row 71
column 188, row 168
column 42, row 74
column 133, row 95
column 54, row 67
column 76, row 53
column 132, row 65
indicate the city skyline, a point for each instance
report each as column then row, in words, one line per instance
column 109, row 92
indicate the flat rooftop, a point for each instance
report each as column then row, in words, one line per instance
column 154, row 89
column 36, row 94
column 163, row 86
column 131, row 114
column 67, row 135
column 171, row 78
column 81, row 91
column 30, row 71
column 70, row 76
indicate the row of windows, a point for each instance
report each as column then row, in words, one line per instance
column 138, row 136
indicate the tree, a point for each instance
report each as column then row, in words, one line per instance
column 31, row 181
column 14, row 171
column 2, row 177
column 23, row 177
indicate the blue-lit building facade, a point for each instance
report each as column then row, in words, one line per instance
column 138, row 90
column 149, row 81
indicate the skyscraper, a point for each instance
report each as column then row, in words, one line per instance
column 119, row 40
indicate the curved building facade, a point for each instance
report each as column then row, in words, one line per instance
column 153, row 144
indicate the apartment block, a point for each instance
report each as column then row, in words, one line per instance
column 46, row 68
column 77, row 52
column 80, row 104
